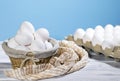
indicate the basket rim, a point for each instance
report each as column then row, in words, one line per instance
column 38, row 54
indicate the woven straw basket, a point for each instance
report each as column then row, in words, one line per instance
column 23, row 58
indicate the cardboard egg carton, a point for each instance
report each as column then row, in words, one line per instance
column 109, row 52
column 71, row 38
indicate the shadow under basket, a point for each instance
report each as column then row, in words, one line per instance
column 20, row 58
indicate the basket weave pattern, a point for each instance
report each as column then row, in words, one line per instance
column 18, row 56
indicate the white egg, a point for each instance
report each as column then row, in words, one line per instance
column 97, row 40
column 108, row 37
column 109, row 26
column 26, row 27
column 116, row 36
column 24, row 39
column 107, row 44
column 42, row 33
column 108, row 34
column 23, row 48
column 98, row 37
column 79, row 33
column 36, row 36
column 37, row 45
column 88, row 35
column 12, row 43
column 48, row 45
column 117, row 27
column 109, row 29
column 99, row 28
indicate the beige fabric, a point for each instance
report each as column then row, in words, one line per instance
column 69, row 58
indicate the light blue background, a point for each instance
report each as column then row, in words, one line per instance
column 60, row 17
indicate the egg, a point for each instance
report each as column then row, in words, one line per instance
column 97, row 40
column 88, row 35
column 79, row 33
column 99, row 28
column 109, row 27
column 42, row 33
column 107, row 44
column 12, row 43
column 24, row 39
column 116, row 37
column 48, row 45
column 26, row 27
column 108, row 34
column 37, row 45
column 98, row 37
column 108, row 37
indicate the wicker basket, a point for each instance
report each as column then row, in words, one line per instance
column 23, row 58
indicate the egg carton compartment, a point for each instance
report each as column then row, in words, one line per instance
column 107, row 52
column 78, row 41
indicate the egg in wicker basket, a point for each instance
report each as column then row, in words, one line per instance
column 23, row 58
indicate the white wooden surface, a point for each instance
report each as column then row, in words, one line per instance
column 96, row 70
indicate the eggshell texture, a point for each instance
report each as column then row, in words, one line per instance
column 42, row 33
column 88, row 35
column 12, row 44
column 26, row 27
column 24, row 39
column 98, row 37
column 79, row 33
column 116, row 36
column 37, row 45
column 48, row 45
